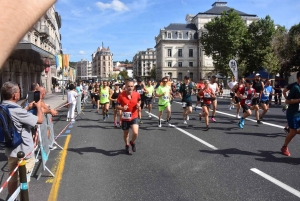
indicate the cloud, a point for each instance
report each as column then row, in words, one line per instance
column 81, row 52
column 114, row 5
column 77, row 12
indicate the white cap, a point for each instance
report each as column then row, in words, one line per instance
column 257, row 74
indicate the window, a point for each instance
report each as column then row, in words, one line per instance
column 191, row 76
column 169, row 64
column 179, row 52
column 169, row 52
column 191, row 36
column 179, row 64
column 190, row 52
column 200, row 51
column 103, row 57
column 170, row 75
column 180, row 35
column 190, row 64
column 103, row 63
column 169, row 35
column 180, row 76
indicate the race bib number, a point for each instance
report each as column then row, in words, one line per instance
column 140, row 91
column 126, row 115
column 183, row 104
column 149, row 95
column 248, row 102
column 206, row 95
column 165, row 97
column 104, row 95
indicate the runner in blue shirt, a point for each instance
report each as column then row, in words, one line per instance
column 265, row 98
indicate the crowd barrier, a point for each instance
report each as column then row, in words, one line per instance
column 43, row 140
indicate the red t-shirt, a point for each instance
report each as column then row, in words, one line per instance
column 200, row 86
column 247, row 92
column 132, row 112
column 206, row 94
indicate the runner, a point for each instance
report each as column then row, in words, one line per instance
column 96, row 95
column 248, row 95
column 221, row 86
column 129, row 103
column 206, row 94
column 164, row 93
column 140, row 89
column 114, row 93
column 214, row 86
column 149, row 93
column 185, row 94
column 278, row 93
column 104, row 99
column 231, row 86
column 239, row 86
column 200, row 86
column 265, row 98
column 258, row 85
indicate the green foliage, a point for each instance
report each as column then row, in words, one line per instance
column 153, row 72
column 124, row 74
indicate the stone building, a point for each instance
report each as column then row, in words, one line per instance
column 34, row 55
column 84, row 69
column 178, row 47
column 102, row 63
column 143, row 62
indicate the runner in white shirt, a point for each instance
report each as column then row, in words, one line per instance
column 215, row 88
column 232, row 93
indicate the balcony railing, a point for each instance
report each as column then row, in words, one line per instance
column 44, row 30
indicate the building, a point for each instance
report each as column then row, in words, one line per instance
column 102, row 63
column 118, row 67
column 34, row 56
column 143, row 62
column 84, row 70
column 178, row 46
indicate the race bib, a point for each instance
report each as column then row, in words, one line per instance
column 126, row 115
column 266, row 93
column 149, row 95
column 183, row 104
column 165, row 97
column 104, row 95
column 140, row 91
column 248, row 102
column 206, row 95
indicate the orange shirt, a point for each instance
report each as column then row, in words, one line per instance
column 132, row 111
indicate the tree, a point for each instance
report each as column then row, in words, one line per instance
column 223, row 39
column 153, row 72
column 124, row 74
column 294, row 47
column 257, row 47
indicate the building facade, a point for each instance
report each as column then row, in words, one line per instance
column 34, row 56
column 84, row 69
column 143, row 62
column 102, row 63
column 178, row 47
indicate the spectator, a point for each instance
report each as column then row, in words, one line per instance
column 23, row 121
column 72, row 96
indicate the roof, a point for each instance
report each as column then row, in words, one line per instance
column 178, row 26
column 219, row 7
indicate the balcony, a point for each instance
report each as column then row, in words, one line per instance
column 48, row 16
column 44, row 30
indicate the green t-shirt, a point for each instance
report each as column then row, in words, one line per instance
column 150, row 91
column 104, row 95
column 163, row 100
column 294, row 94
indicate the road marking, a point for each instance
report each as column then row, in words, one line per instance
column 277, row 182
column 232, row 115
column 189, row 134
column 60, row 169
column 68, row 131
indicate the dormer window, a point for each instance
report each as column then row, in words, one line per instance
column 169, row 35
column 179, row 35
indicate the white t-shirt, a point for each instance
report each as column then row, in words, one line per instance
column 232, row 84
column 72, row 96
column 213, row 86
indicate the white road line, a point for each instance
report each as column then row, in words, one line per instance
column 277, row 182
column 231, row 115
column 188, row 134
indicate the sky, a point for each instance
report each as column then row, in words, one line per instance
column 129, row 26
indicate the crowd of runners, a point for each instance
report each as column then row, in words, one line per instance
column 129, row 99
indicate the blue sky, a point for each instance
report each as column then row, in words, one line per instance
column 129, row 26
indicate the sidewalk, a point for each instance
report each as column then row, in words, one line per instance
column 54, row 100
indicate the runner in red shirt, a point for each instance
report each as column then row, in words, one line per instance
column 129, row 102
column 200, row 86
column 248, row 97
column 206, row 94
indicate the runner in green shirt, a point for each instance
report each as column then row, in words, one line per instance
column 164, row 94
column 104, row 99
column 149, row 92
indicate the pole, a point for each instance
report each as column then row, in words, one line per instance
column 23, row 177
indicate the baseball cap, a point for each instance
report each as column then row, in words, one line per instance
column 257, row 74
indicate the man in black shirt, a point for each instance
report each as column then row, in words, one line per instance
column 278, row 93
column 140, row 89
column 258, row 85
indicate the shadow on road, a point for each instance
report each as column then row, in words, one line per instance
column 272, row 135
column 95, row 150
column 265, row 156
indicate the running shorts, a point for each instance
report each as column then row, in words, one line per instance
column 187, row 104
column 127, row 124
column 206, row 105
column 163, row 107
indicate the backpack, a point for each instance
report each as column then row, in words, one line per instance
column 8, row 132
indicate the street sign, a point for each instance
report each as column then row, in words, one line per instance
column 233, row 66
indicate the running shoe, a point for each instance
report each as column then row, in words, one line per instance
column 259, row 122
column 200, row 116
column 232, row 107
column 229, row 107
column 159, row 123
column 240, row 125
column 127, row 149
column 170, row 118
column 285, row 151
column 196, row 109
column 184, row 122
column 213, row 119
column 133, row 146
column 118, row 125
column 150, row 116
column 94, row 106
column 107, row 115
column 140, row 122
column 238, row 116
column 104, row 119
column 52, row 147
column 206, row 129
column 67, row 120
column 242, row 121
column 286, row 130
column 187, row 117
column 115, row 124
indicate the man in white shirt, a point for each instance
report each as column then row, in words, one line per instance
column 232, row 93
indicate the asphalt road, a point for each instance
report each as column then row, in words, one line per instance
column 180, row 162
